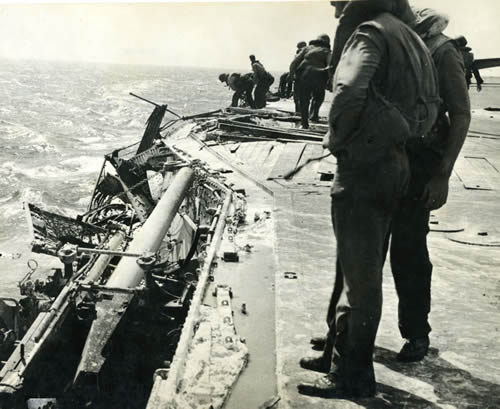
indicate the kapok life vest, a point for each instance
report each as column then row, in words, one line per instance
column 403, row 98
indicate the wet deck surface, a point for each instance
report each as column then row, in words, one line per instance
column 253, row 284
column 463, row 366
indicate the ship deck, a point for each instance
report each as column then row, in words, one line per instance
column 462, row 369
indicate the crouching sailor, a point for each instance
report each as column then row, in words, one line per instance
column 242, row 85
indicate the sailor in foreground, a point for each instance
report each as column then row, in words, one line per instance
column 262, row 80
column 350, row 16
column 375, row 110
column 310, row 68
column 358, row 11
column 432, row 159
column 242, row 85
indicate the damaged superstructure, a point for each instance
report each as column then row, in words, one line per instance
column 132, row 267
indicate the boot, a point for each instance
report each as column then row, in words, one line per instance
column 330, row 387
column 322, row 363
column 319, row 364
column 318, row 343
column 414, row 350
column 324, row 387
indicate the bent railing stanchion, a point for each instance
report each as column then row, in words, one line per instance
column 165, row 390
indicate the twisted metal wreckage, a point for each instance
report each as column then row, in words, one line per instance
column 128, row 300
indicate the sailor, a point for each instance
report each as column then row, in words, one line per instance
column 262, row 80
column 375, row 110
column 310, row 68
column 287, row 80
column 469, row 62
column 350, row 15
column 242, row 85
column 283, row 86
column 357, row 12
column 431, row 163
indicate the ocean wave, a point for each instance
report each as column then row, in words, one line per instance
column 82, row 164
column 43, row 199
column 15, row 132
column 14, row 196
column 12, row 214
column 67, row 170
column 19, row 83
column 11, row 130
column 43, row 172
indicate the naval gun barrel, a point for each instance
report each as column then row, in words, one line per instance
column 128, row 274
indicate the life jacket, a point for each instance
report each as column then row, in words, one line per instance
column 413, row 91
column 403, row 97
column 315, row 56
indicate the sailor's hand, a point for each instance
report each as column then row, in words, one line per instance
column 436, row 192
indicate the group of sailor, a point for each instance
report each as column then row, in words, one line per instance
column 398, row 120
column 243, row 85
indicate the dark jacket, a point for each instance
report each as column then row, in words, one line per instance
column 314, row 55
column 447, row 57
column 260, row 75
column 237, row 82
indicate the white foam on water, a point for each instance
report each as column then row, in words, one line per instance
column 82, row 164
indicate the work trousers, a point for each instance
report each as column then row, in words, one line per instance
column 363, row 203
column 296, row 93
column 260, row 94
column 410, row 262
column 312, row 84
column 285, row 86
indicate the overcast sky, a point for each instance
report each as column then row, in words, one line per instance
column 205, row 34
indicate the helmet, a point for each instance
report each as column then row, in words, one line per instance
column 223, row 77
column 324, row 38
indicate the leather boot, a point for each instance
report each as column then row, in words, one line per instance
column 324, row 387
column 322, row 363
column 414, row 350
column 330, row 387
column 318, row 343
column 319, row 364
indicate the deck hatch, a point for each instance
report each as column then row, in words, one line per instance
column 477, row 173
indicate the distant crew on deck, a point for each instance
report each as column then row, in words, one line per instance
column 286, row 80
column 262, row 80
column 242, row 85
column 469, row 62
column 310, row 69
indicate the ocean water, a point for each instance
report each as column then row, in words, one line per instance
column 57, row 120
